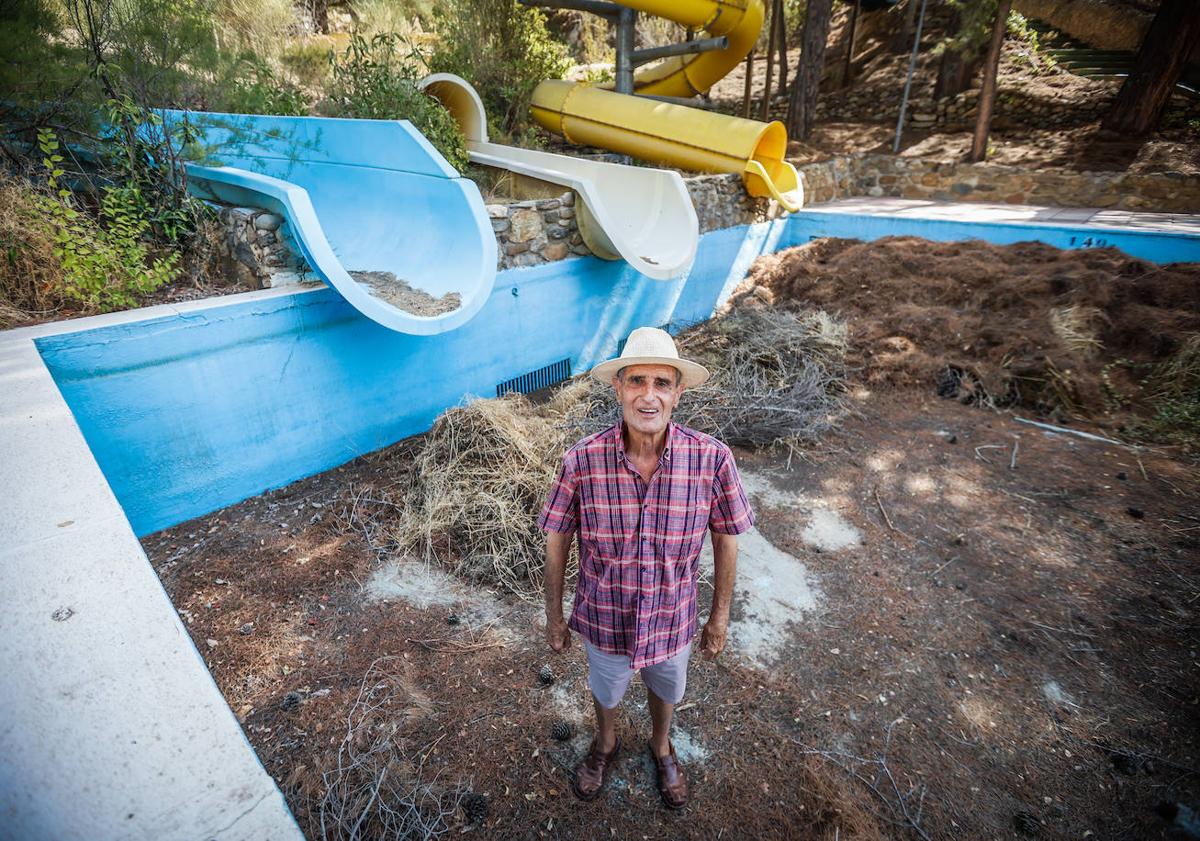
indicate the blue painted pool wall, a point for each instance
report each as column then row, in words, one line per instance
column 1154, row 245
column 190, row 413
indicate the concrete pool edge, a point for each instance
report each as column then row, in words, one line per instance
column 114, row 726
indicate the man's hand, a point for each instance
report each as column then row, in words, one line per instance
column 558, row 545
column 558, row 635
column 712, row 638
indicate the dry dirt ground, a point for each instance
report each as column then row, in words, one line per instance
column 996, row 652
column 948, row 624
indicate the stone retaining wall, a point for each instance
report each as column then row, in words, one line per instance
column 256, row 250
column 535, row 232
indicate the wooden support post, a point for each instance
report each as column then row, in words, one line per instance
column 987, row 96
column 746, row 89
column 781, row 40
column 772, row 33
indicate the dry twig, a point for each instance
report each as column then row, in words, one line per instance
column 376, row 790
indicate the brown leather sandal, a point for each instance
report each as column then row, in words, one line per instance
column 592, row 773
column 672, row 786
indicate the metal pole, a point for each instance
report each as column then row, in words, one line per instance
column 626, row 23
column 912, row 65
column 595, row 7
column 704, row 45
column 749, row 79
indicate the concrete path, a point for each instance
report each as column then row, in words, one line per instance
column 1177, row 223
column 110, row 725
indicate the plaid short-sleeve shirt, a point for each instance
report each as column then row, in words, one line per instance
column 639, row 542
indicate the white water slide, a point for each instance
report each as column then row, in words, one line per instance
column 638, row 214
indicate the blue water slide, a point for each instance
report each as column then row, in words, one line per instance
column 359, row 196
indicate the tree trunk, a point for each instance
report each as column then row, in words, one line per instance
column 956, row 72
column 781, row 39
column 851, row 37
column 320, row 16
column 987, row 96
column 765, row 105
column 957, row 69
column 901, row 39
column 1160, row 61
column 802, row 104
column 748, row 81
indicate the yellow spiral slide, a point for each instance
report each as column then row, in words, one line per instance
column 676, row 135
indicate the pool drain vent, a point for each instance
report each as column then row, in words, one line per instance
column 544, row 377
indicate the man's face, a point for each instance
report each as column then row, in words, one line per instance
column 648, row 394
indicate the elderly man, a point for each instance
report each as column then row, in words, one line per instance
column 641, row 496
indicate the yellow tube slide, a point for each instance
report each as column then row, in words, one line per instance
column 689, row 75
column 676, row 135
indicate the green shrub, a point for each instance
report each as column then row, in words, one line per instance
column 253, row 88
column 308, row 61
column 1018, row 29
column 504, row 50
column 105, row 266
column 373, row 80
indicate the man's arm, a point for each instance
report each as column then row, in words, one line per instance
column 558, row 546
column 712, row 639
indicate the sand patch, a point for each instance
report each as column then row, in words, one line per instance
column 387, row 287
column 425, row 586
column 829, row 532
column 774, row 590
column 687, row 749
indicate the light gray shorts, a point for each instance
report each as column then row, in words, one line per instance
column 609, row 676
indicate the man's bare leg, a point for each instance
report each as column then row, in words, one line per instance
column 660, row 715
column 606, row 726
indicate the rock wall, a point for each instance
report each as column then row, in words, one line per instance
column 256, row 249
column 535, row 232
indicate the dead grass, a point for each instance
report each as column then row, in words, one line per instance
column 484, row 468
column 30, row 274
column 479, row 479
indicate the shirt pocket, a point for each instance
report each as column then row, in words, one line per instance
column 601, row 531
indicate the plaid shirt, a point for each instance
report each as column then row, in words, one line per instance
column 639, row 542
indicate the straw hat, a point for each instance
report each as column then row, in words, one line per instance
column 651, row 346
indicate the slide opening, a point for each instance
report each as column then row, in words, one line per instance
column 460, row 99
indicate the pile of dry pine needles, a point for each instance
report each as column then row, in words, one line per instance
column 485, row 468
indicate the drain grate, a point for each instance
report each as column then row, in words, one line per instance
column 544, row 377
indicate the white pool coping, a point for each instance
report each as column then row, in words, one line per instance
column 1026, row 214
column 111, row 725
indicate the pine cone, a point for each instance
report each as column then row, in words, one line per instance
column 475, row 807
column 546, row 675
column 561, row 730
